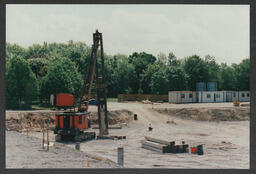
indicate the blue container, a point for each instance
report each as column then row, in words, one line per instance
column 200, row 150
column 201, row 86
column 211, row 86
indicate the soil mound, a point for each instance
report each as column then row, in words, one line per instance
column 114, row 117
column 208, row 114
column 38, row 120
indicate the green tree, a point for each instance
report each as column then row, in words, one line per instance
column 39, row 66
column 172, row 59
column 213, row 69
column 242, row 75
column 110, row 67
column 159, row 82
column 118, row 74
column 227, row 78
column 14, row 50
column 177, row 78
column 21, row 83
column 63, row 77
column 124, row 73
column 140, row 61
column 197, row 71
column 162, row 58
column 79, row 53
column 146, row 76
column 37, row 51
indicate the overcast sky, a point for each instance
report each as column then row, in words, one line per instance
column 218, row 30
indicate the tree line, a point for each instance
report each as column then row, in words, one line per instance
column 35, row 72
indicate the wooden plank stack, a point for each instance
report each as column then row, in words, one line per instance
column 163, row 146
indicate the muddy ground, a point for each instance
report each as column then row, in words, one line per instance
column 226, row 143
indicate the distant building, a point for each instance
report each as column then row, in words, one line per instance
column 208, row 96
column 182, row 96
column 244, row 96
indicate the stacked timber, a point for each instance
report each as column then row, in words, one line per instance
column 163, row 146
column 155, row 146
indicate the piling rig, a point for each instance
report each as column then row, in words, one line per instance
column 74, row 125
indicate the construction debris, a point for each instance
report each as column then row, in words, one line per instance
column 135, row 117
column 225, row 146
column 163, row 146
column 150, row 128
column 113, row 137
column 236, row 103
column 146, row 101
column 171, row 122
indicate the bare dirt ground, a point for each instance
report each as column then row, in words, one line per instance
column 26, row 152
column 226, row 142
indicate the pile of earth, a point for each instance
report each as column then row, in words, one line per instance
column 114, row 117
column 30, row 120
column 38, row 120
column 209, row 114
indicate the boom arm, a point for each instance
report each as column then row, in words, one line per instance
column 100, row 83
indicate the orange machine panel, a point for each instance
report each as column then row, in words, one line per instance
column 71, row 121
column 81, row 125
column 56, row 121
column 61, row 122
column 86, row 124
column 64, row 100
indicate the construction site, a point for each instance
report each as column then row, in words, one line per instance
column 86, row 133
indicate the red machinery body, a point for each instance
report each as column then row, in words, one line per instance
column 65, row 100
column 70, row 126
column 71, row 120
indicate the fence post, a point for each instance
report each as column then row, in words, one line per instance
column 120, row 156
column 88, row 163
column 43, row 139
column 77, row 146
column 48, row 140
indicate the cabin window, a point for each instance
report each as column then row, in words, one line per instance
column 208, row 96
column 217, row 95
column 182, row 95
column 243, row 95
column 190, row 95
column 248, row 94
column 234, row 94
